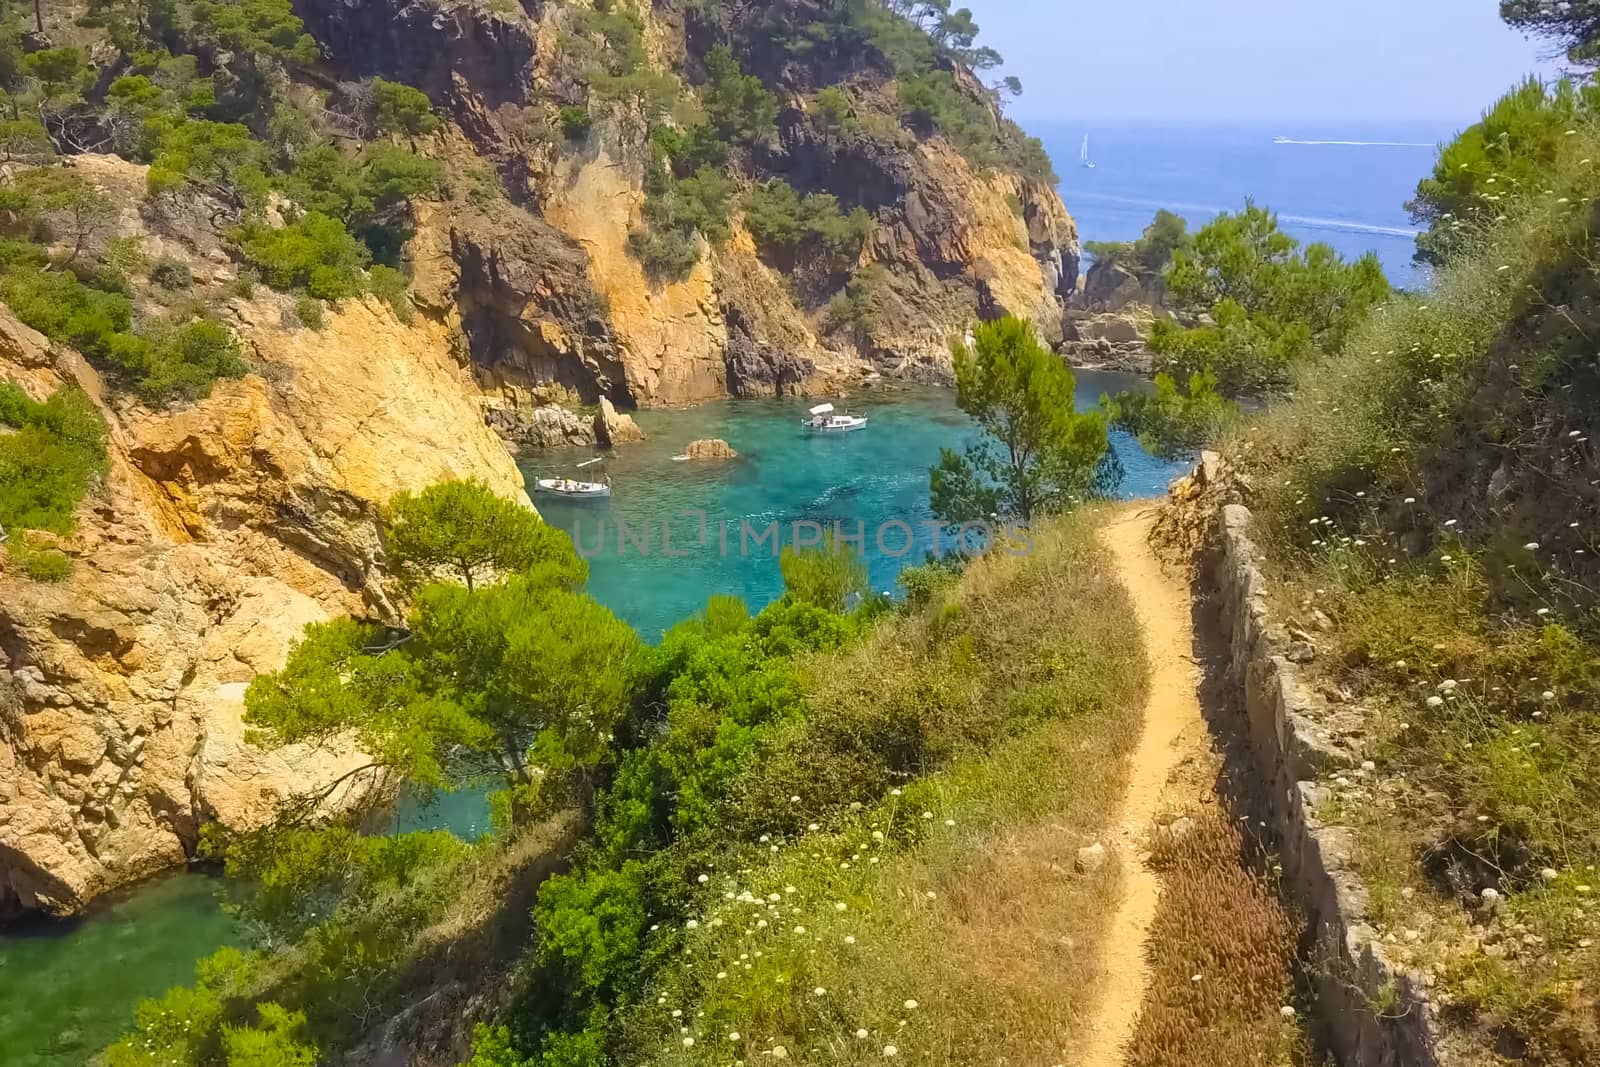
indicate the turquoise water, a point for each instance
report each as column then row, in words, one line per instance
column 66, row 989
column 868, row 482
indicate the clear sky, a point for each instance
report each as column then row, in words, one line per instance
column 1257, row 59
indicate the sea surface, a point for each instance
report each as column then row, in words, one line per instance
column 1345, row 185
column 68, row 988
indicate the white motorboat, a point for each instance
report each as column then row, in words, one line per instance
column 579, row 490
column 826, row 420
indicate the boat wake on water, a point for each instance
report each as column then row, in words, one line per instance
column 1360, row 144
column 1308, row 221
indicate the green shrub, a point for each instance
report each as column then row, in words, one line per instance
column 390, row 286
column 1509, row 155
column 401, row 108
column 39, row 564
column 668, row 255
column 315, row 254
column 309, row 310
column 738, row 107
column 576, row 122
column 835, row 115
column 779, row 218
column 171, row 274
column 24, row 140
column 1174, row 422
column 55, row 452
column 1152, row 253
column 1273, row 304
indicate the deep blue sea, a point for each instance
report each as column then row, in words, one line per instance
column 1345, row 185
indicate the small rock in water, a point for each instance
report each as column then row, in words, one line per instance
column 711, row 448
column 1091, row 858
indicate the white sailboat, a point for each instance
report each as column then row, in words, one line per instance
column 1083, row 154
column 825, row 420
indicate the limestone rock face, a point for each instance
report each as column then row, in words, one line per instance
column 612, row 429
column 1108, row 322
column 548, row 426
column 549, row 291
column 221, row 530
column 710, row 448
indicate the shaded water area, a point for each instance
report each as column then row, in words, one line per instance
column 68, row 988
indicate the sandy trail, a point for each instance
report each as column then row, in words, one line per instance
column 1172, row 729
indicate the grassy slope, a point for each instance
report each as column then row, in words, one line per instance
column 1431, row 495
column 964, row 934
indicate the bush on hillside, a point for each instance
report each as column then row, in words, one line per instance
column 1505, row 157
column 51, row 454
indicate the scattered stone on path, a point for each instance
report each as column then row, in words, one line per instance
column 711, row 448
column 1090, row 858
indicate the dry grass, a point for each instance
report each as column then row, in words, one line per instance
column 1221, row 957
column 1030, row 677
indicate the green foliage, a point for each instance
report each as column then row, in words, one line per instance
column 835, row 114
column 171, row 274
column 1509, row 155
column 390, row 286
column 162, row 360
column 1151, row 254
column 1574, row 24
column 58, row 69
column 826, row 577
column 59, row 205
column 608, row 45
column 315, row 254
column 53, row 453
column 492, row 1047
column 738, row 107
column 862, row 307
column 576, row 122
column 276, row 1043
column 1037, row 455
column 1174, row 421
column 266, row 28
column 675, row 211
column 526, row 669
column 220, row 157
column 779, row 218
column 179, row 360
column 402, row 109
column 309, row 310
column 1272, row 304
column 464, row 530
column 24, row 140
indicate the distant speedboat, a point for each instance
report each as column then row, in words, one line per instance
column 825, row 420
column 1083, row 154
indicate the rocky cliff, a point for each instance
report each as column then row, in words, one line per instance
column 221, row 530
column 226, row 524
column 554, row 303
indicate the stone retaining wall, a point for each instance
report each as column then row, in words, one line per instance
column 1374, row 1014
